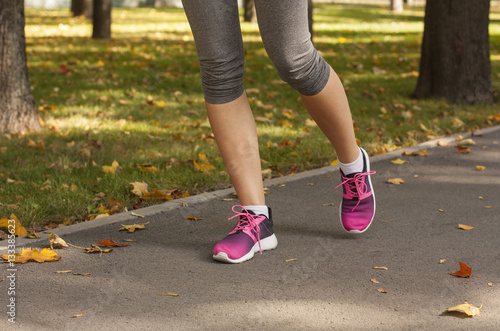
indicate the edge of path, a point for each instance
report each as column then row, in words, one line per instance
column 200, row 198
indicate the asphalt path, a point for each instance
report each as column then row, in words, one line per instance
column 318, row 278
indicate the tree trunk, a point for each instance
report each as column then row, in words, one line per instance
column 455, row 61
column 396, row 6
column 82, row 7
column 102, row 19
column 18, row 112
column 249, row 11
column 310, row 8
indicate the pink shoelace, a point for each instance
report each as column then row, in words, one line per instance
column 247, row 223
column 356, row 187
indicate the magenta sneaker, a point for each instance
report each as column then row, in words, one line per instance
column 357, row 208
column 253, row 233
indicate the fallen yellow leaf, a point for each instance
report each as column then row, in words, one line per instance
column 441, row 261
column 13, row 226
column 111, row 169
column 381, row 290
column 169, row 294
column 479, row 167
column 395, row 181
column 373, row 280
column 63, row 271
column 203, row 166
column 139, row 188
column 465, row 308
column 288, row 113
column 76, row 316
column 40, row 145
column 146, row 167
column 382, row 268
column 33, row 254
column 466, row 142
column 290, row 260
column 465, row 227
column 399, row 161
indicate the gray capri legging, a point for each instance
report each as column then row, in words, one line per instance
column 285, row 33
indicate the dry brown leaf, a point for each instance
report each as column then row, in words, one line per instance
column 157, row 195
column 381, row 290
column 419, row 153
column 464, row 272
column 82, row 274
column 32, row 235
column 465, row 227
column 76, row 316
column 96, row 249
column 192, row 218
column 111, row 243
column 131, row 228
column 55, row 241
column 373, row 280
column 169, row 294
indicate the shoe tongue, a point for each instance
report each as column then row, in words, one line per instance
column 352, row 175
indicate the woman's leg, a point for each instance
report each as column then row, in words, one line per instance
column 216, row 29
column 217, row 33
column 236, row 135
column 285, row 33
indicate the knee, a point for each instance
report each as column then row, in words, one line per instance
column 222, row 79
column 305, row 71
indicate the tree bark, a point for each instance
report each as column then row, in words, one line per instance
column 102, row 19
column 455, row 61
column 18, row 112
column 82, row 7
column 396, row 6
column 249, row 11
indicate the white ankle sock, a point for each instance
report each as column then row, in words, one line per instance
column 258, row 210
column 353, row 167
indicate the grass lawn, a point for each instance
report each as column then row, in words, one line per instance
column 137, row 100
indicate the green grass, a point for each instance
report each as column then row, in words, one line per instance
column 101, row 106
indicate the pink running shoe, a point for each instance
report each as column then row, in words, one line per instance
column 253, row 233
column 357, row 208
